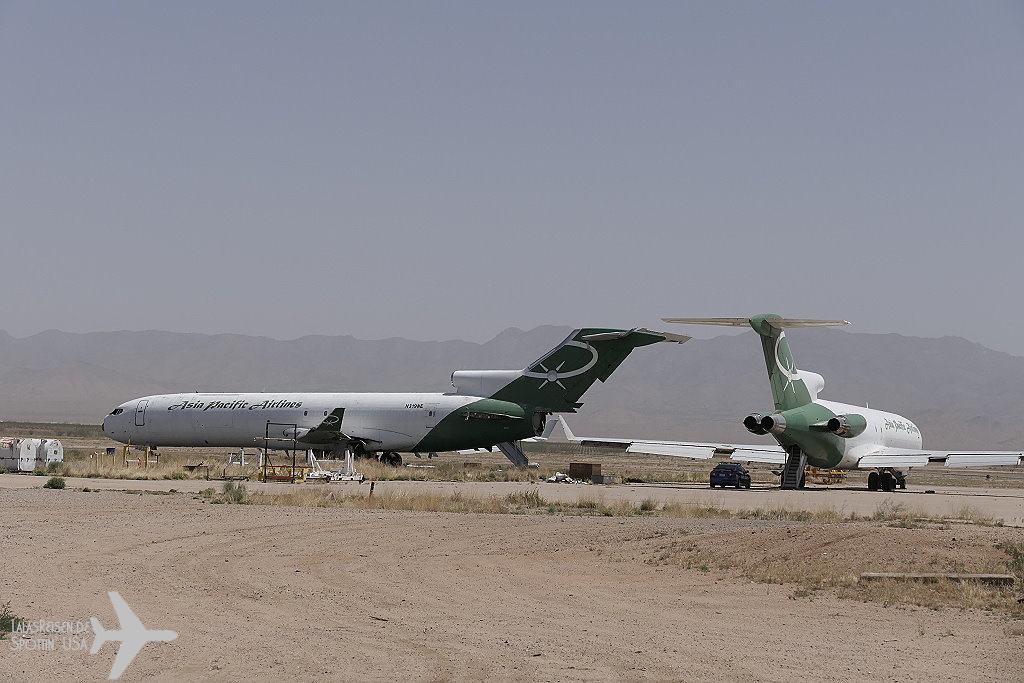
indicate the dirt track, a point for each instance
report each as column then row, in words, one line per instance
column 268, row 593
column 1006, row 505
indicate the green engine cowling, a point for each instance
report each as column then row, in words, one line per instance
column 847, row 426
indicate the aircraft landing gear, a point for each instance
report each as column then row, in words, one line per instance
column 390, row 458
column 886, row 479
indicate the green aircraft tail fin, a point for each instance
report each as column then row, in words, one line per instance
column 555, row 382
column 789, row 388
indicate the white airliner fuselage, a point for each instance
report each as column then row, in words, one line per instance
column 884, row 430
column 392, row 422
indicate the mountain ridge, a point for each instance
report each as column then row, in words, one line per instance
column 961, row 393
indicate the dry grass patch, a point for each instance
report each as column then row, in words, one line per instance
column 832, row 557
column 170, row 466
column 520, row 502
column 437, row 470
column 585, row 505
column 513, row 503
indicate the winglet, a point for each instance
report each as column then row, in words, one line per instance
column 549, row 427
column 565, row 428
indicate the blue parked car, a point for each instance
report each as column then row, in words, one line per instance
column 730, row 474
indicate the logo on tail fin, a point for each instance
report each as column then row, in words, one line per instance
column 555, row 375
column 787, row 366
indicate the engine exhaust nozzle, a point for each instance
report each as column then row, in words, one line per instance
column 753, row 424
column 773, row 424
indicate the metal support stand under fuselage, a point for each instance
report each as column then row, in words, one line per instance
column 346, row 473
column 514, row 453
column 793, row 473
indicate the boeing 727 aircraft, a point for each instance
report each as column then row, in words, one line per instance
column 488, row 408
column 808, row 430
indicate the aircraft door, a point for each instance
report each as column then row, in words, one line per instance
column 430, row 414
column 140, row 413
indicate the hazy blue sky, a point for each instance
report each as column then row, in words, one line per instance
column 439, row 170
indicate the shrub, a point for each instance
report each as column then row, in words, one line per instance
column 8, row 622
column 235, row 493
column 52, row 467
column 54, row 483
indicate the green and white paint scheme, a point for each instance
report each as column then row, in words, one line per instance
column 824, row 434
column 486, row 408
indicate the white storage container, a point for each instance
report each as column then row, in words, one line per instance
column 50, row 450
column 9, row 454
column 28, row 451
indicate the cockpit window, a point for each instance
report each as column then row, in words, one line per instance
column 117, row 411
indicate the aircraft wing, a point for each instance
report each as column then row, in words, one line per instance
column 905, row 457
column 978, row 459
column 683, row 449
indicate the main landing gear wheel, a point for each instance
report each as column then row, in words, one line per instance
column 390, row 458
column 886, row 481
column 872, row 481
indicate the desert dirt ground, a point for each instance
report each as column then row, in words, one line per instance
column 269, row 592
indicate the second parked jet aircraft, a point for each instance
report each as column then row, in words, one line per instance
column 812, row 431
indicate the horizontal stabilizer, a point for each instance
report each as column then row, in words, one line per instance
column 620, row 334
column 725, row 322
column 777, row 323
